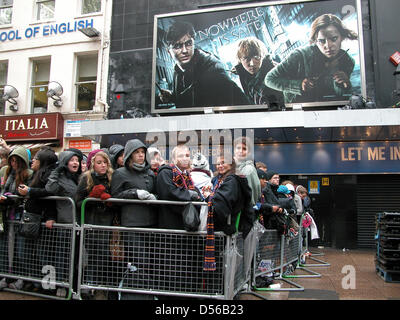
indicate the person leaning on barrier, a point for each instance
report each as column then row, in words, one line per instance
column 96, row 183
column 135, row 181
column 17, row 172
column 231, row 196
column 43, row 163
column 271, row 205
column 174, row 183
column 63, row 181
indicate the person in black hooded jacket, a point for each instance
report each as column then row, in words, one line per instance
column 231, row 197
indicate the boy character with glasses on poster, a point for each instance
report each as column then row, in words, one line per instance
column 200, row 79
column 254, row 64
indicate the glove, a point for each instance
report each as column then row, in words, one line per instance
column 194, row 196
column 257, row 206
column 151, row 197
column 105, row 196
column 229, row 229
column 97, row 190
column 142, row 194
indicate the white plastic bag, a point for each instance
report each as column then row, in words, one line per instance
column 203, row 218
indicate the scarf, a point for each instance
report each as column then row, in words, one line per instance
column 209, row 254
column 138, row 167
column 181, row 179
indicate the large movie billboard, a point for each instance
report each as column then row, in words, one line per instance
column 268, row 55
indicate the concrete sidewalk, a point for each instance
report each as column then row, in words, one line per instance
column 368, row 284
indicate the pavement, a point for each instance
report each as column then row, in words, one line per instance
column 350, row 275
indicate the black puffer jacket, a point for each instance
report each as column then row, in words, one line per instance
column 233, row 196
column 95, row 212
column 37, row 189
column 62, row 182
column 126, row 181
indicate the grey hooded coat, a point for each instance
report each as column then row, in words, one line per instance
column 63, row 183
column 124, row 185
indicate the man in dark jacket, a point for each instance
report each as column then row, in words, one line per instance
column 200, row 78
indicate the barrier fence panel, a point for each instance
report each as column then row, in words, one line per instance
column 158, row 261
column 305, row 253
column 46, row 262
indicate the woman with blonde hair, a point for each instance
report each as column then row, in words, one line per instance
column 96, row 183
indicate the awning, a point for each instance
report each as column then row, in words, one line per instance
column 32, row 146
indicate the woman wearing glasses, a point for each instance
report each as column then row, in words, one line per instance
column 320, row 71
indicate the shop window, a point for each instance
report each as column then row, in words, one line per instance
column 90, row 6
column 3, row 82
column 45, row 9
column 86, row 82
column 40, row 81
column 6, row 7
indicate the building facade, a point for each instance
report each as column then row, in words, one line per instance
column 52, row 58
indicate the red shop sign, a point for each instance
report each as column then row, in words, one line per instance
column 48, row 126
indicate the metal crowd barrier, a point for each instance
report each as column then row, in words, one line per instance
column 47, row 262
column 158, row 262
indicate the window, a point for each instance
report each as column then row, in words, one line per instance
column 90, row 6
column 6, row 11
column 45, row 9
column 40, row 81
column 3, row 82
column 86, row 82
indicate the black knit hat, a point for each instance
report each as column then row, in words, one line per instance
column 261, row 174
column 270, row 174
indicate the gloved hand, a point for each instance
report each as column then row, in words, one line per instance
column 257, row 206
column 229, row 229
column 97, row 190
column 142, row 194
column 151, row 197
column 105, row 196
column 194, row 196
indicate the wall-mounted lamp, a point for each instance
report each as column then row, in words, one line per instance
column 90, row 32
column 10, row 93
column 55, row 90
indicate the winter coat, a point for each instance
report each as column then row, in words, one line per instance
column 233, row 196
column 63, row 183
column 9, row 186
column 126, row 181
column 205, row 83
column 201, row 178
column 299, row 204
column 37, row 190
column 248, row 169
column 95, row 212
column 170, row 216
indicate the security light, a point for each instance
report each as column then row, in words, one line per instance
column 55, row 90
column 10, row 93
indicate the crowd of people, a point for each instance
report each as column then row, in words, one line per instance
column 238, row 193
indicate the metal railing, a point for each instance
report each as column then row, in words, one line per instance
column 47, row 262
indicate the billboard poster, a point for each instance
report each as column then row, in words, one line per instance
column 266, row 56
